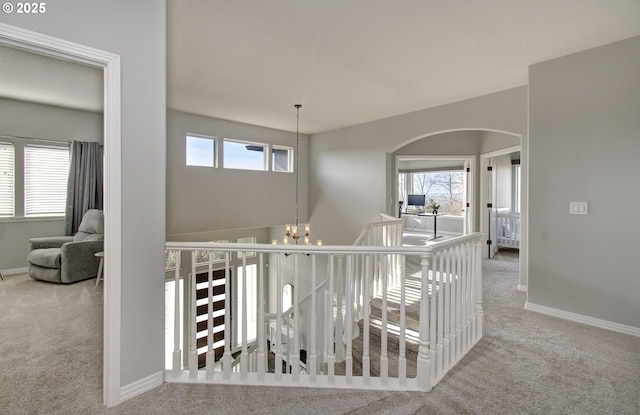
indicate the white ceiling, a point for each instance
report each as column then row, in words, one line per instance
column 346, row 61
column 35, row 78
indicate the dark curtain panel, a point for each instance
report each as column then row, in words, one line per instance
column 84, row 189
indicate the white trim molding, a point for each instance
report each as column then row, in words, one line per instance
column 522, row 288
column 110, row 63
column 141, row 386
column 13, row 271
column 579, row 318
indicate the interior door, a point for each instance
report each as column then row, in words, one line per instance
column 492, row 245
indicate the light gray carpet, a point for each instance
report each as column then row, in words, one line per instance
column 527, row 363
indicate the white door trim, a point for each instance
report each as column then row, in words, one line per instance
column 57, row 48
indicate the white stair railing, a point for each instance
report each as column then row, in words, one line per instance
column 450, row 320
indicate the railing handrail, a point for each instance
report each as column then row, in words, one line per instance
column 450, row 313
column 324, row 249
column 386, row 219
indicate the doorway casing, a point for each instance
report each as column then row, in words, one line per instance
column 110, row 63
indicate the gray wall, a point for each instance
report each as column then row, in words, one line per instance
column 584, row 146
column 349, row 167
column 27, row 119
column 53, row 123
column 201, row 199
column 136, row 31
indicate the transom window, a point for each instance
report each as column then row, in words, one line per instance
column 244, row 155
column 201, row 151
column 282, row 159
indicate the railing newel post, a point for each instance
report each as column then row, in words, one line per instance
column 424, row 363
column 479, row 300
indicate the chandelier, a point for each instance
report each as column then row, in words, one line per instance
column 296, row 231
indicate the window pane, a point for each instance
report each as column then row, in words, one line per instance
column 7, row 190
column 281, row 159
column 442, row 188
column 46, row 172
column 200, row 151
column 242, row 155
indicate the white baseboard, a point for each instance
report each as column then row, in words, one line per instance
column 141, row 386
column 522, row 288
column 579, row 318
column 12, row 271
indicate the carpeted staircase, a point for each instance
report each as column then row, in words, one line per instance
column 412, row 318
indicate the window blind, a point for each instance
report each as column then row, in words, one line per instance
column 7, row 182
column 46, row 173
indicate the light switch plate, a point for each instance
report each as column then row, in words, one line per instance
column 578, row 208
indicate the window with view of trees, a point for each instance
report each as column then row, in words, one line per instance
column 445, row 188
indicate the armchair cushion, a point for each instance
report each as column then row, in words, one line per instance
column 48, row 257
column 91, row 227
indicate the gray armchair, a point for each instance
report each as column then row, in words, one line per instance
column 68, row 259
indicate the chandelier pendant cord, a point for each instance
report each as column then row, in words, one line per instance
column 297, row 155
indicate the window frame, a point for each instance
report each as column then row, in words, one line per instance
column 265, row 154
column 409, row 182
column 216, row 149
column 19, row 185
column 290, row 158
column 62, row 200
column 9, row 195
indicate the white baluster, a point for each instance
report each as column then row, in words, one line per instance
column 226, row 358
column 478, row 278
column 433, row 321
column 210, row 359
column 465, row 302
column 313, row 355
column 349, row 320
column 447, row 314
column 402, row 357
column 458, row 303
column 295, row 356
column 384, row 358
column 278, row 357
column 261, row 356
column 177, row 350
column 339, row 335
column 193, row 354
column 366, row 363
column 244, row 364
column 472, row 291
column 331, row 358
column 440, row 324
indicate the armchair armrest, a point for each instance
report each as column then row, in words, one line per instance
column 48, row 242
column 79, row 260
